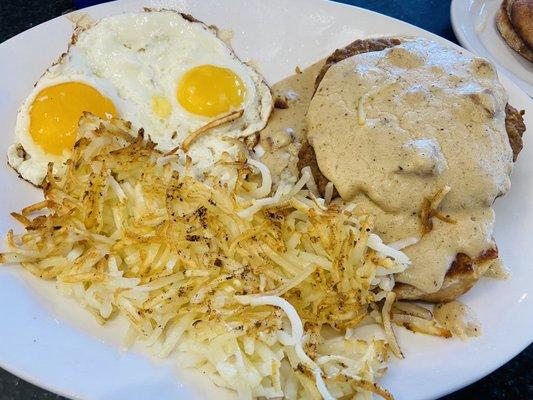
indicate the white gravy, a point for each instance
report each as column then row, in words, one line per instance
column 286, row 128
column 458, row 318
column 392, row 128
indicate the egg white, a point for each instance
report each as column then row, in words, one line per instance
column 131, row 58
column 26, row 157
column 146, row 54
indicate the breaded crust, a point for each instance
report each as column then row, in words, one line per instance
column 464, row 271
column 460, row 278
column 356, row 47
column 505, row 27
column 515, row 126
column 520, row 12
column 307, row 158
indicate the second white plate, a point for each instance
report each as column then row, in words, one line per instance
column 473, row 22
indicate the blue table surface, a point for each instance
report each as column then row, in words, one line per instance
column 514, row 380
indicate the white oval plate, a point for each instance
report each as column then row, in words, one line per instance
column 473, row 22
column 52, row 342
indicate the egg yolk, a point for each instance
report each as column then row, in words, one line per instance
column 55, row 112
column 209, row 90
column 161, row 107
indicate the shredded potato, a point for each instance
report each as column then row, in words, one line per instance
column 387, row 326
column 421, row 325
column 237, row 286
column 232, row 116
column 429, row 210
column 403, row 307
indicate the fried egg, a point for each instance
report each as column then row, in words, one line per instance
column 163, row 71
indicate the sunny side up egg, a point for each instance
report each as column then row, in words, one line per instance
column 163, row 71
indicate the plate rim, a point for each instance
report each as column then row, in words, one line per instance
column 461, row 7
column 472, row 378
